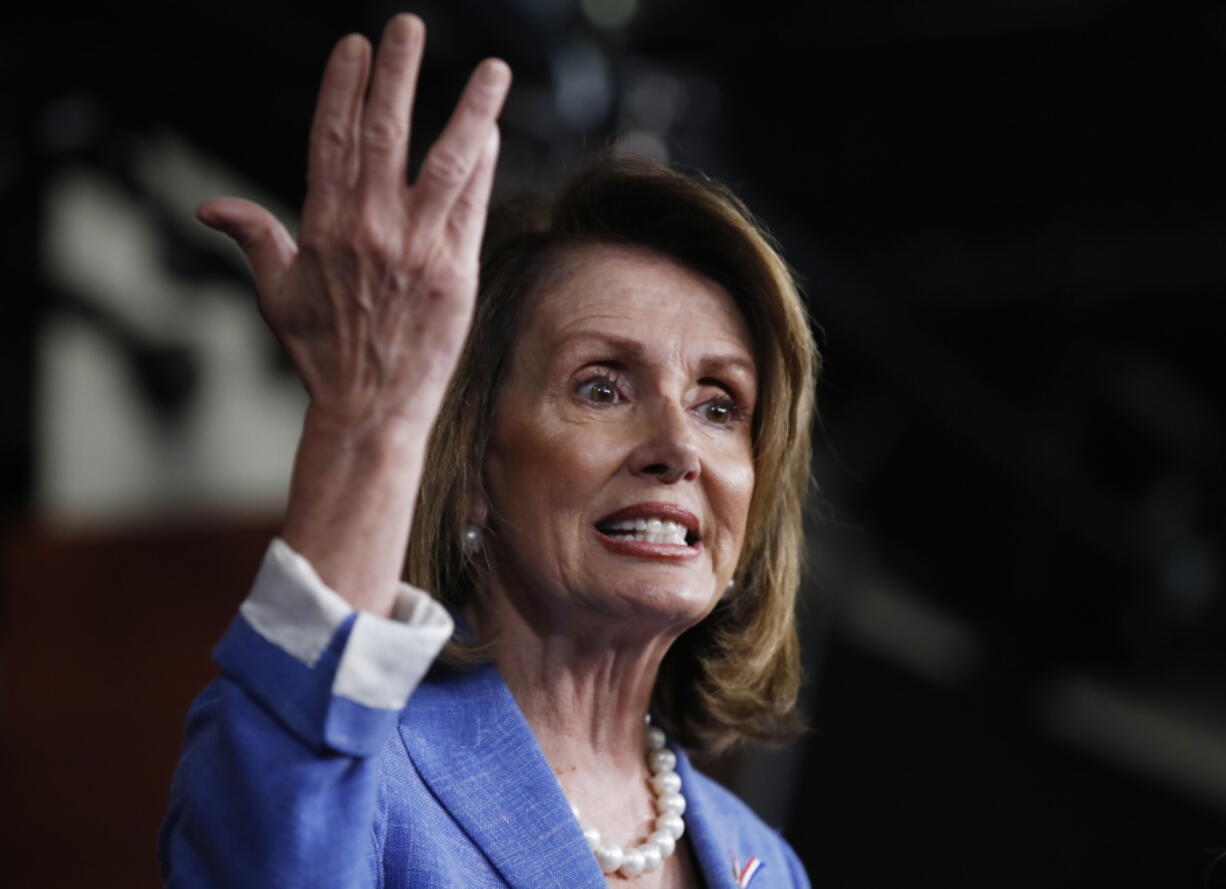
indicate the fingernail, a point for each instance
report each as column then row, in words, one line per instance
column 207, row 218
column 211, row 222
column 495, row 72
column 404, row 28
column 351, row 48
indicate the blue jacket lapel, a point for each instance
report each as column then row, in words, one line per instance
column 473, row 748
column 709, row 842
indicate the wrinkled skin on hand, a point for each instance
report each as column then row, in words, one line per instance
column 374, row 299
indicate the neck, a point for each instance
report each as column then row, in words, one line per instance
column 584, row 682
column 584, row 690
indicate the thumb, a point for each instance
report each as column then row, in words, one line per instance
column 264, row 241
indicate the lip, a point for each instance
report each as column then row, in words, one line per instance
column 641, row 548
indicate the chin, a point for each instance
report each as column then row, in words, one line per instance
column 670, row 604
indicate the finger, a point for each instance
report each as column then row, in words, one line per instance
column 332, row 158
column 385, row 122
column 264, row 241
column 472, row 206
column 452, row 158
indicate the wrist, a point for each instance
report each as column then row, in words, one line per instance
column 368, row 436
column 351, row 502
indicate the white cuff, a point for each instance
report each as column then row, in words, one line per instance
column 384, row 659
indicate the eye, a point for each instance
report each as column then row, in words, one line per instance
column 599, row 390
column 720, row 411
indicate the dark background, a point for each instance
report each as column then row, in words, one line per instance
column 1009, row 218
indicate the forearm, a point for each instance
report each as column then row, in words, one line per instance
column 351, row 504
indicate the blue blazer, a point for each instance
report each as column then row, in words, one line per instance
column 284, row 783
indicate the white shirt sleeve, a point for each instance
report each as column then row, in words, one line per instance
column 384, row 658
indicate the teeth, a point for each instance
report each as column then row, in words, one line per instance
column 651, row 531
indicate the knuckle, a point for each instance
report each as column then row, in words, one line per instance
column 395, row 66
column 439, row 298
column 449, row 287
column 331, row 139
column 467, row 207
column 384, row 132
column 484, row 96
column 370, row 239
column 446, row 167
column 322, row 184
column 483, row 99
column 416, row 266
column 250, row 236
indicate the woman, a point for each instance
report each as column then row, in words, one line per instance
column 612, row 513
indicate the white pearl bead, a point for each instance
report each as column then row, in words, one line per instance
column 669, row 825
column 670, row 802
column 666, row 782
column 661, row 761
column 632, row 864
column 610, row 857
column 664, row 841
column 671, row 822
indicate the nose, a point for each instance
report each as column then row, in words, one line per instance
column 666, row 452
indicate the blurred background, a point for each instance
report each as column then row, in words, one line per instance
column 1010, row 221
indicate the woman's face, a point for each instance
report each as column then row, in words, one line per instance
column 620, row 466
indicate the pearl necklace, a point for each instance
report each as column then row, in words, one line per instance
column 670, row 806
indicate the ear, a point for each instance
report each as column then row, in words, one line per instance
column 477, row 509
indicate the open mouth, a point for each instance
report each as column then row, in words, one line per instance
column 649, row 531
column 660, row 524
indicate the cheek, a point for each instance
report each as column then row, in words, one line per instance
column 737, row 485
column 543, row 472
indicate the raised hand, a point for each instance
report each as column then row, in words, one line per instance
column 374, row 301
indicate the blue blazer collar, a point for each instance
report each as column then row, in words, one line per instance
column 472, row 746
column 474, row 749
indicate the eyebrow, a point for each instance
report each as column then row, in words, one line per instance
column 634, row 350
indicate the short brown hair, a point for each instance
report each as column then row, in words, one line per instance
column 735, row 675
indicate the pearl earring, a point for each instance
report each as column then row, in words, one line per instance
column 728, row 590
column 470, row 541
